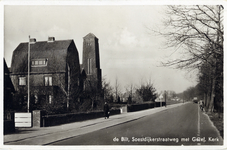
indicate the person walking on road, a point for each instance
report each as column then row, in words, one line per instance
column 106, row 110
column 201, row 104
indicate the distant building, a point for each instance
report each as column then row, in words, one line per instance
column 55, row 71
column 160, row 97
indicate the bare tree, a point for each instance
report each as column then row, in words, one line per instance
column 171, row 94
column 130, row 90
column 71, row 91
column 68, row 82
column 92, row 92
column 107, row 90
column 117, row 88
column 197, row 32
column 192, row 29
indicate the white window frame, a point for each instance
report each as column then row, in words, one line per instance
column 50, row 99
column 48, row 81
column 36, row 98
column 42, row 62
column 22, row 81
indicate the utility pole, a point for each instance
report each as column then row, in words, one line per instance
column 28, row 72
column 165, row 98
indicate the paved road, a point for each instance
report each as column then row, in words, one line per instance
column 46, row 135
column 183, row 125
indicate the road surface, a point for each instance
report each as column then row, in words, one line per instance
column 183, row 125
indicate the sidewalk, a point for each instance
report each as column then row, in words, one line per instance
column 47, row 135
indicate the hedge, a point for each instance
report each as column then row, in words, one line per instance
column 138, row 107
column 52, row 120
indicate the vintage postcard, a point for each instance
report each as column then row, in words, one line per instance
column 113, row 74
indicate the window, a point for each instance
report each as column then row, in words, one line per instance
column 50, row 99
column 89, row 66
column 36, row 98
column 39, row 62
column 48, row 81
column 22, row 80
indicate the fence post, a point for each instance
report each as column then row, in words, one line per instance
column 123, row 109
column 37, row 118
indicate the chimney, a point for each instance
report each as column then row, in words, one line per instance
column 32, row 41
column 51, row 39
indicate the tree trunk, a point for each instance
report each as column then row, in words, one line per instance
column 92, row 104
column 211, row 106
column 211, row 103
column 205, row 99
column 67, row 102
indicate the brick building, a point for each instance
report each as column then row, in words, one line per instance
column 91, row 60
column 55, row 72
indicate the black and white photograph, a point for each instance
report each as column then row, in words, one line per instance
column 113, row 74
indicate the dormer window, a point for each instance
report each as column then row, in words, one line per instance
column 39, row 62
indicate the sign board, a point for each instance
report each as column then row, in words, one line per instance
column 23, row 120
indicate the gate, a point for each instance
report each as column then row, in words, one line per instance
column 23, row 120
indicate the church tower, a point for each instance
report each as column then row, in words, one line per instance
column 91, row 60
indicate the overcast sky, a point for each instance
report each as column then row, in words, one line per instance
column 128, row 51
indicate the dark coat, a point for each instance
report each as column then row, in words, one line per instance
column 106, row 108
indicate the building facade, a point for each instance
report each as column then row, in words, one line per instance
column 54, row 68
column 55, row 75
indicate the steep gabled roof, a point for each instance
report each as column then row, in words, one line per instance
column 55, row 52
column 6, row 69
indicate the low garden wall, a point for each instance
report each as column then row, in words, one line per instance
column 9, row 122
column 52, row 120
column 9, row 126
column 158, row 104
column 40, row 120
column 138, row 107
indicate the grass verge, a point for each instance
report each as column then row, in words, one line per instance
column 218, row 122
